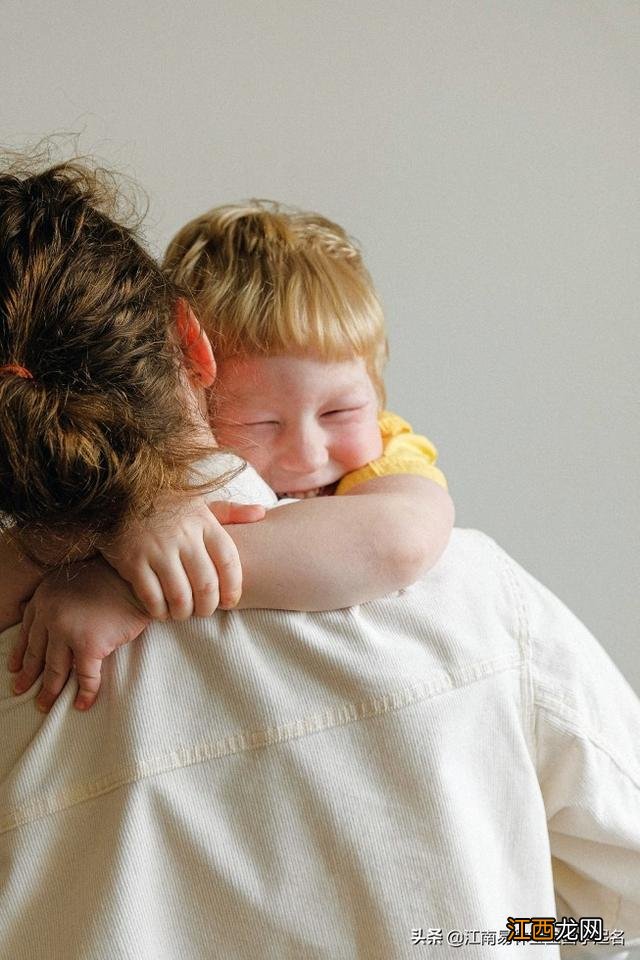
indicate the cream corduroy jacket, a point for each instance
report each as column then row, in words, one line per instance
column 265, row 784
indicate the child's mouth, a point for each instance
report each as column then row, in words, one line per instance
column 308, row 494
column 302, row 494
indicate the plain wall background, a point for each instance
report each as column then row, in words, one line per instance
column 484, row 154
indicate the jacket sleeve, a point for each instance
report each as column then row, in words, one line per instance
column 585, row 734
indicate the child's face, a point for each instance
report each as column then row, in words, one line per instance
column 301, row 422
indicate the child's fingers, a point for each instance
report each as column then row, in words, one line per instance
column 176, row 587
column 56, row 673
column 224, row 554
column 33, row 659
column 227, row 512
column 17, row 654
column 88, row 671
column 203, row 578
column 14, row 662
column 148, row 590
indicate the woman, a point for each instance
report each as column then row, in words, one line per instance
column 102, row 418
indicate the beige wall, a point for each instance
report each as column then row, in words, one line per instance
column 485, row 155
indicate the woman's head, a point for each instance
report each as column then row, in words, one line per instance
column 267, row 280
column 93, row 422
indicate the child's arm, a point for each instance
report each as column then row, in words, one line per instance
column 339, row 552
column 332, row 552
column 180, row 561
column 78, row 615
column 319, row 554
column 81, row 612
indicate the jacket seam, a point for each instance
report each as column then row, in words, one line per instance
column 524, row 640
column 565, row 721
column 241, row 742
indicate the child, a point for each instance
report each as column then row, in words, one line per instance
column 298, row 335
column 365, row 552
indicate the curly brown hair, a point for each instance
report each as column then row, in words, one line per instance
column 93, row 423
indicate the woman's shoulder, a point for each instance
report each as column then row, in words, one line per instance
column 238, row 480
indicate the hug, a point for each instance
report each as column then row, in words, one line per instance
column 257, row 681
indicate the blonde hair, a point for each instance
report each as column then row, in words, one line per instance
column 267, row 279
column 93, row 423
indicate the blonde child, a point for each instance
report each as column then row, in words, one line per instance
column 88, row 433
column 298, row 335
column 295, row 323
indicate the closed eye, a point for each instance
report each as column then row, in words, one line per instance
column 341, row 411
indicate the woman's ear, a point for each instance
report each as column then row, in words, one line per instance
column 200, row 362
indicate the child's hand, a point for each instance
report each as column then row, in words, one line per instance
column 19, row 579
column 180, row 561
column 77, row 616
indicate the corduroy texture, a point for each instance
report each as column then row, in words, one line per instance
column 278, row 785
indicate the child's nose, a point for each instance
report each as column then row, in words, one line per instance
column 306, row 451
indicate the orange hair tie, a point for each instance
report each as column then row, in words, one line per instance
column 18, row 370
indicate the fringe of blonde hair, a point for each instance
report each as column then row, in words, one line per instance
column 268, row 279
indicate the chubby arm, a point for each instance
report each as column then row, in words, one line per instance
column 319, row 554
column 332, row 552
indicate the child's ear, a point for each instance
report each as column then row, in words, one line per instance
column 195, row 345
